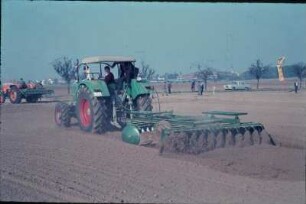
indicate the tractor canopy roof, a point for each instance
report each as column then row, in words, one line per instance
column 101, row 59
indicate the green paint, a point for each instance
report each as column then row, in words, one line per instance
column 130, row 134
column 92, row 85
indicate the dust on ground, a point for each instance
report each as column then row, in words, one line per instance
column 42, row 162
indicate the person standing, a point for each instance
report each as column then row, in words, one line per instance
column 110, row 82
column 199, row 88
column 109, row 77
column 22, row 83
column 169, row 87
column 202, row 87
column 296, row 85
column 192, row 86
column 86, row 72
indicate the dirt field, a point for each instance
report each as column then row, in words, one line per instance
column 41, row 162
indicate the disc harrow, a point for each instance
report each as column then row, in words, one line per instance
column 193, row 134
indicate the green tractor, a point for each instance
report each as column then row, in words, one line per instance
column 127, row 104
column 97, row 105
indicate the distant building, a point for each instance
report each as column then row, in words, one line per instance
column 189, row 76
column 160, row 78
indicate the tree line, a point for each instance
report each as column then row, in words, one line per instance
column 67, row 70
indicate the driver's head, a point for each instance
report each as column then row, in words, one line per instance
column 107, row 69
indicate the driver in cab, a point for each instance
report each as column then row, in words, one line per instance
column 109, row 80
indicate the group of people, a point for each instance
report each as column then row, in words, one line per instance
column 200, row 87
column 127, row 72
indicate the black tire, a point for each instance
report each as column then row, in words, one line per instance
column 2, row 98
column 32, row 99
column 144, row 103
column 94, row 119
column 15, row 95
column 62, row 114
column 122, row 114
column 108, row 109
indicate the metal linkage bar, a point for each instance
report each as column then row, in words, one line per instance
column 227, row 113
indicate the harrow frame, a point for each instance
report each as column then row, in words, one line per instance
column 214, row 122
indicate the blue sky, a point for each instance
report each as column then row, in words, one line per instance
column 168, row 36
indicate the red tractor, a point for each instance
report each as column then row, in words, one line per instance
column 17, row 91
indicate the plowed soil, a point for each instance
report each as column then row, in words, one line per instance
column 42, row 162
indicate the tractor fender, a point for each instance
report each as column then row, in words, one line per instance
column 138, row 88
column 97, row 87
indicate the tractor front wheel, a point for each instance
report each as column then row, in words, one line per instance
column 15, row 95
column 91, row 112
column 62, row 115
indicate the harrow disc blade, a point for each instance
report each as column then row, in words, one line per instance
column 177, row 142
column 220, row 140
column 259, row 128
column 224, row 131
column 194, row 144
column 202, row 141
column 242, row 130
column 256, row 137
column 211, row 142
column 239, row 140
column 228, row 140
column 248, row 141
column 234, row 131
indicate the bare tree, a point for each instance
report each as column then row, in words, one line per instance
column 258, row 70
column 64, row 67
column 299, row 70
column 146, row 71
column 203, row 73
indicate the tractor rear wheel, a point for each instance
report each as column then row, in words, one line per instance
column 15, row 95
column 144, row 103
column 91, row 112
column 62, row 114
column 2, row 98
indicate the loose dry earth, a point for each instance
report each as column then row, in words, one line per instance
column 42, row 162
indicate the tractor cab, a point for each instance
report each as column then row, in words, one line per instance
column 123, row 68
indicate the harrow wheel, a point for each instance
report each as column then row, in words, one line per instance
column 62, row 114
column 91, row 112
column 15, row 95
